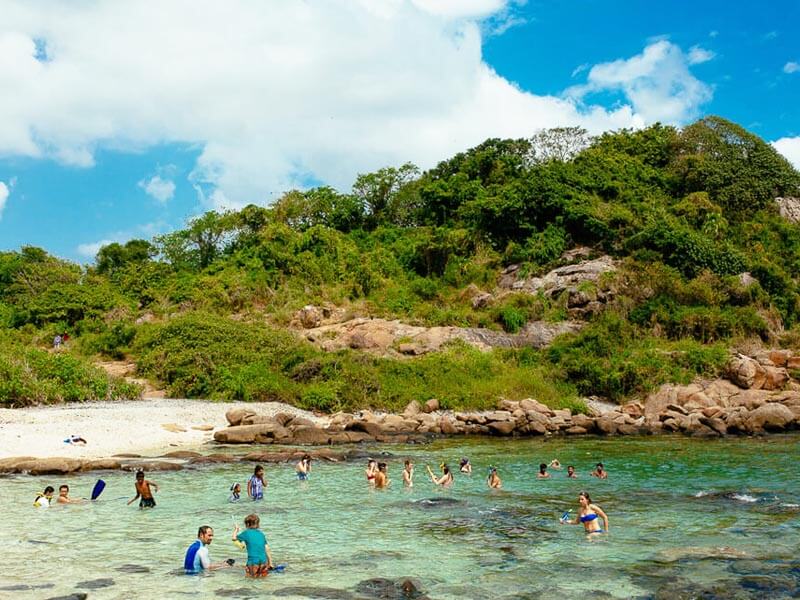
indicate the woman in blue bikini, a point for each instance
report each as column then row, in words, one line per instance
column 588, row 514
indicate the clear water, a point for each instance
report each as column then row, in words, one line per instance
column 333, row 531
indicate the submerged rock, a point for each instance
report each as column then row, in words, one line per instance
column 390, row 589
column 77, row 596
column 95, row 584
column 325, row 593
column 24, row 587
column 133, row 569
column 437, row 502
column 236, row 593
column 701, row 553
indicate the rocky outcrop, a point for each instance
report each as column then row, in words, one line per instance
column 789, row 208
column 398, row 339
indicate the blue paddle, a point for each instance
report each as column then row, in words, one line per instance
column 278, row 569
column 98, row 489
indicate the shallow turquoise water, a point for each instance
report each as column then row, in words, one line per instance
column 334, row 532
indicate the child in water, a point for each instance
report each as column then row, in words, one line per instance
column 259, row 558
column 408, row 474
column 143, row 491
column 493, row 481
column 236, row 492
column 43, row 500
column 303, row 468
column 257, row 484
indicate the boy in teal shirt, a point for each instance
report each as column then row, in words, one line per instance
column 259, row 558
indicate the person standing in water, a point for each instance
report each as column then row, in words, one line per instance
column 43, row 500
column 144, row 492
column 256, row 484
column 408, row 474
column 588, row 514
column 303, row 468
column 465, row 467
column 446, row 480
column 372, row 469
column 493, row 481
column 259, row 558
column 543, row 474
column 571, row 474
column 381, row 476
column 63, row 496
column 599, row 472
column 236, row 493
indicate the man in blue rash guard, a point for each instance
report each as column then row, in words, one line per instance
column 197, row 558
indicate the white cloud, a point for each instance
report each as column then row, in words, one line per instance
column 162, row 190
column 91, row 249
column 698, row 55
column 4, row 192
column 791, row 67
column 790, row 148
column 287, row 92
column 657, row 82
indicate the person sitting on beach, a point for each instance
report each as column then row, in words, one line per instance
column 259, row 558
column 236, row 493
column 256, row 484
column 587, row 516
column 43, row 500
column 303, row 468
column 465, row 467
column 381, row 476
column 143, row 491
column 197, row 558
column 408, row 474
column 543, row 474
column 446, row 480
column 554, row 464
column 493, row 481
column 372, row 469
column 63, row 496
column 571, row 474
column 599, row 472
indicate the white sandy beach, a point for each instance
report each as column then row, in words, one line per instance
column 110, row 428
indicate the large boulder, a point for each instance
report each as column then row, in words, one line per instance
column 746, row 372
column 412, row 409
column 311, row 436
column 501, row 427
column 529, row 404
column 769, row 417
column 431, row 405
column 263, row 433
column 235, row 416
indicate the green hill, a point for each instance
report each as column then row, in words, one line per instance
column 205, row 310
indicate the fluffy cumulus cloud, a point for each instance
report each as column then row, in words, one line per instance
column 657, row 83
column 790, row 148
column 162, row 190
column 278, row 94
column 698, row 55
column 91, row 249
column 791, row 67
column 3, row 197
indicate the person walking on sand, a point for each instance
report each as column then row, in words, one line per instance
column 144, row 492
column 303, row 468
column 256, row 484
column 259, row 557
column 408, row 474
column 493, row 481
column 446, row 480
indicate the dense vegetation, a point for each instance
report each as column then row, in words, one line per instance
column 203, row 310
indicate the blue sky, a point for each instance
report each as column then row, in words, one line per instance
column 117, row 123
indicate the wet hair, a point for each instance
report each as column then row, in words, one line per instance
column 371, row 461
column 257, row 469
column 204, row 529
column 63, row 487
column 599, row 466
column 306, row 458
column 570, row 467
column 407, row 463
column 464, row 461
column 49, row 489
column 381, row 466
column 252, row 520
column 445, row 469
column 586, row 495
column 542, row 467
column 139, row 474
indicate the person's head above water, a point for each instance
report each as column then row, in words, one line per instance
column 382, row 467
column 63, row 490
column 139, row 475
column 599, row 467
column 584, row 499
column 570, row 469
column 236, row 488
column 542, row 468
column 258, row 471
column 408, row 463
column 205, row 534
column 445, row 469
column 464, row 461
column 306, row 458
column 48, row 491
column 252, row 521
